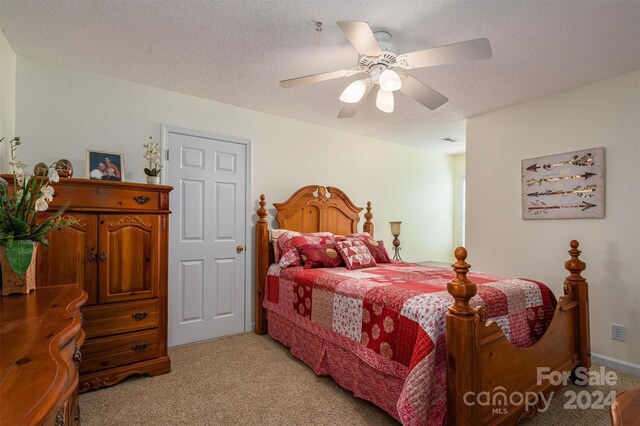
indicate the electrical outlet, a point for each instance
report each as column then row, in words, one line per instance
column 617, row 332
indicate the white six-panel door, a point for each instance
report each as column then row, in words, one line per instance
column 207, row 237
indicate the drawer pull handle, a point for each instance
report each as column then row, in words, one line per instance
column 103, row 256
column 140, row 347
column 139, row 316
column 141, row 199
column 92, row 256
column 77, row 357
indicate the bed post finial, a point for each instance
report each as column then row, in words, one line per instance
column 461, row 288
column 262, row 264
column 368, row 225
column 575, row 266
column 576, row 287
column 262, row 211
column 463, row 357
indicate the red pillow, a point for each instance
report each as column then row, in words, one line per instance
column 355, row 254
column 291, row 240
column 377, row 248
column 290, row 259
column 320, row 256
column 359, row 235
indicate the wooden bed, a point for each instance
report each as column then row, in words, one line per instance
column 479, row 357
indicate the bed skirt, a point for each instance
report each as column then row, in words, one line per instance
column 348, row 370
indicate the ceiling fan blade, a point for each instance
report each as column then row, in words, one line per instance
column 315, row 78
column 422, row 93
column 470, row 50
column 361, row 36
column 349, row 110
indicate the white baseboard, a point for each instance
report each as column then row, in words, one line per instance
column 617, row 364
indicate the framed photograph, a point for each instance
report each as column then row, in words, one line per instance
column 564, row 186
column 103, row 165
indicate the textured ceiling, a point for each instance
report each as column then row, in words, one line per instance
column 236, row 51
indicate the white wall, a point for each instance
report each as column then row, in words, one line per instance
column 459, row 173
column 606, row 113
column 62, row 111
column 7, row 98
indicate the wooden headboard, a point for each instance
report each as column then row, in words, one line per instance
column 313, row 208
column 318, row 209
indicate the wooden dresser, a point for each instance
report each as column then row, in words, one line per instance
column 40, row 339
column 118, row 251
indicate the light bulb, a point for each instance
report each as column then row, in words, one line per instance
column 384, row 101
column 354, row 92
column 390, row 81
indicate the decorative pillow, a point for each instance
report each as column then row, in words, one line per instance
column 320, row 256
column 356, row 236
column 355, row 254
column 291, row 240
column 290, row 259
column 377, row 248
column 359, row 236
column 273, row 237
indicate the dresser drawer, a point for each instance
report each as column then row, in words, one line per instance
column 105, row 320
column 106, row 197
column 108, row 352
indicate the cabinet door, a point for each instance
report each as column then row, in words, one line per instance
column 129, row 257
column 66, row 260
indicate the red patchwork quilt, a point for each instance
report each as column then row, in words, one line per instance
column 392, row 318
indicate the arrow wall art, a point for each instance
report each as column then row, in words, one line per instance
column 557, row 193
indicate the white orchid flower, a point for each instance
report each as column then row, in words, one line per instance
column 18, row 166
column 53, row 175
column 41, row 204
column 47, row 193
column 18, row 170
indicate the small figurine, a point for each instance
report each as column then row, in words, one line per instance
column 41, row 169
column 64, row 168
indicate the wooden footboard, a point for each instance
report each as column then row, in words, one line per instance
column 489, row 380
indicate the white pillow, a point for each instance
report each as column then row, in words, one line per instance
column 273, row 237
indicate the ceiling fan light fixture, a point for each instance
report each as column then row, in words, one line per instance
column 384, row 101
column 354, row 92
column 390, row 81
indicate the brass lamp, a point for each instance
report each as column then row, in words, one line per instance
column 395, row 231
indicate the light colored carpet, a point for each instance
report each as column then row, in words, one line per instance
column 254, row 380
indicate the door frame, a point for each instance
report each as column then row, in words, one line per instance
column 166, row 130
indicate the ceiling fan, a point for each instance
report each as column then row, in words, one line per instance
column 378, row 59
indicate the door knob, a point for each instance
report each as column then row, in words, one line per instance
column 103, row 256
column 92, row 256
column 239, row 248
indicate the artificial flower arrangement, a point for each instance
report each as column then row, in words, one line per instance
column 20, row 232
column 154, row 161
